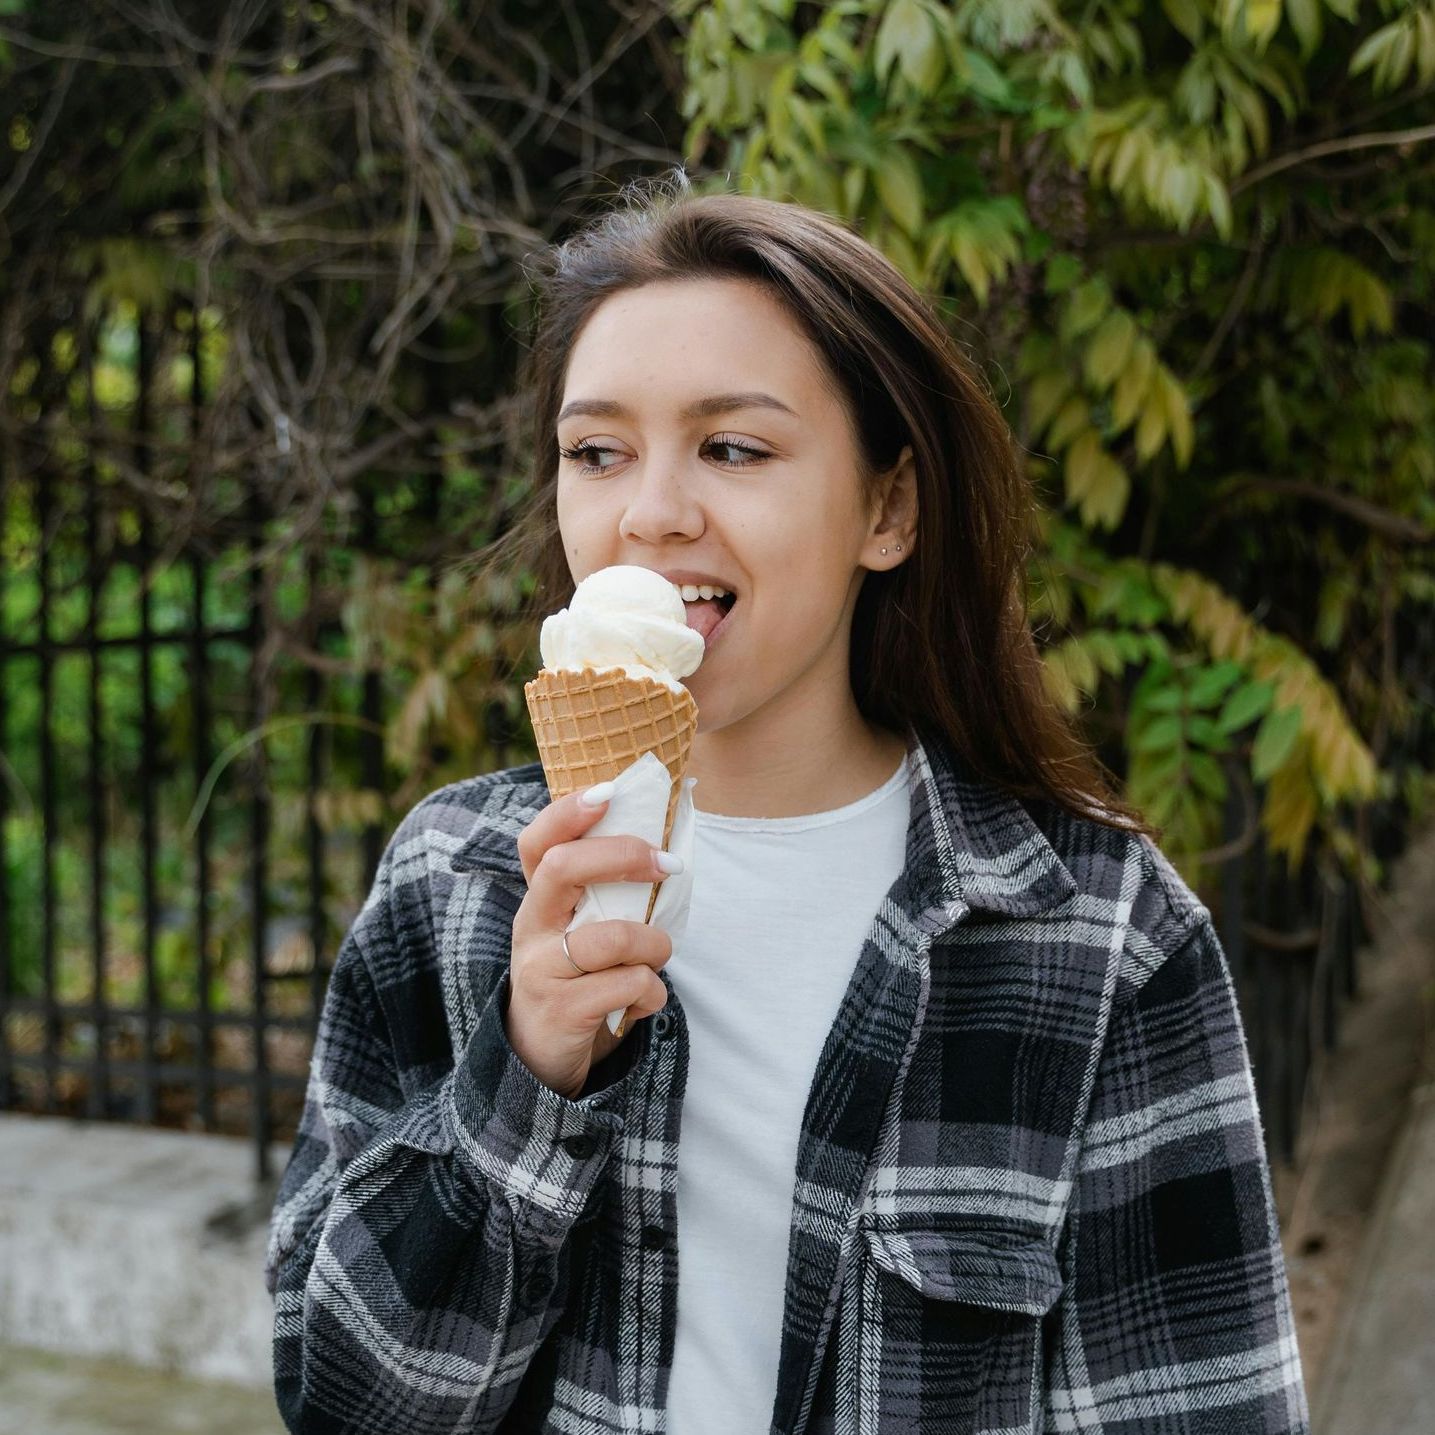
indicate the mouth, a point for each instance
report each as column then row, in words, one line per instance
column 709, row 616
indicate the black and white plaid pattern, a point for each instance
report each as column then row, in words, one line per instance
column 1031, row 1192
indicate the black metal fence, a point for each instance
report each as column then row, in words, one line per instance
column 170, row 899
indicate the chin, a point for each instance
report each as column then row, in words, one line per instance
column 712, row 711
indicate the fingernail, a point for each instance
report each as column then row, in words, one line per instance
column 668, row 861
column 598, row 794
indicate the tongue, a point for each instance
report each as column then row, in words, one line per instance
column 704, row 614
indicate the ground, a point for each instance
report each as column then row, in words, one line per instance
column 1357, row 1106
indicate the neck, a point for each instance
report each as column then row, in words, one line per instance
column 804, row 751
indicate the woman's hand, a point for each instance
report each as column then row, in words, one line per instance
column 557, row 1017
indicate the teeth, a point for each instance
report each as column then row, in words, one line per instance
column 693, row 591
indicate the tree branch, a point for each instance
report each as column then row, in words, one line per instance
column 1377, row 140
column 1394, row 526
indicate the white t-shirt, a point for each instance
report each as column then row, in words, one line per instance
column 780, row 908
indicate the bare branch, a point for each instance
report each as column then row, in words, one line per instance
column 1394, row 526
column 1380, row 140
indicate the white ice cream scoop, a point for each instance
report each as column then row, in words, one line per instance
column 623, row 616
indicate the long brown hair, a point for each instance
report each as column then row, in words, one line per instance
column 943, row 641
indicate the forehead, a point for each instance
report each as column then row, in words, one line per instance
column 661, row 345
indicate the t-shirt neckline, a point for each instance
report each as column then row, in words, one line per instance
column 804, row 820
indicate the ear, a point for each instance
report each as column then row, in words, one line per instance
column 895, row 515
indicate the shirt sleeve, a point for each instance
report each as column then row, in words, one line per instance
column 1176, row 1312
column 417, row 1248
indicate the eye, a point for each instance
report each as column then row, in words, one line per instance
column 750, row 454
column 575, row 455
column 754, row 455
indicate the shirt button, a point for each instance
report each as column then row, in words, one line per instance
column 662, row 1024
column 580, row 1147
column 655, row 1238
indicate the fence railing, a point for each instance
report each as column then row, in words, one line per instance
column 169, row 898
column 164, row 951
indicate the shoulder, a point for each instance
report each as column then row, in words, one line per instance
column 451, row 814
column 425, row 851
column 398, row 927
column 1125, row 880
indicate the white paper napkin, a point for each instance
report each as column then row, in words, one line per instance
column 639, row 808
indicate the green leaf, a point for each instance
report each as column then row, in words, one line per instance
column 821, row 79
column 1163, row 733
column 1105, row 502
column 1274, row 740
column 1186, row 16
column 854, row 185
column 1152, row 427
column 808, row 118
column 1044, row 396
column 1082, row 461
column 1305, row 18
column 1245, row 704
column 1062, row 271
column 1212, row 683
column 907, row 39
column 899, row 186
column 1218, row 205
column 986, row 82
column 1131, row 387
column 1263, row 17
column 1336, row 595
column 1109, row 349
column 1073, row 416
column 1167, row 700
column 1084, row 308
column 1178, row 417
column 1207, row 775
column 1202, row 730
column 1374, row 47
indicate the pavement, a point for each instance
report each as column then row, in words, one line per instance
column 1380, row 1379
column 147, row 1246
column 42, row 1393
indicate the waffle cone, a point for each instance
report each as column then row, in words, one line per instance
column 591, row 724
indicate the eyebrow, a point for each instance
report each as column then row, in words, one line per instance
column 700, row 409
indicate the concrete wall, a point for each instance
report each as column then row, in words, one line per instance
column 143, row 1245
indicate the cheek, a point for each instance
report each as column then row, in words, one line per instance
column 583, row 523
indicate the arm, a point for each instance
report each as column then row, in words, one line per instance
column 1176, row 1312
column 417, row 1245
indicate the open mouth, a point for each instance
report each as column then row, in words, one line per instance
column 707, row 615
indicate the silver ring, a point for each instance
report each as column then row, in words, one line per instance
column 571, row 962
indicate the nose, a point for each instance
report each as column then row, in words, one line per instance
column 660, row 505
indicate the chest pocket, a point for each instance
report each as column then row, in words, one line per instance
column 950, row 1327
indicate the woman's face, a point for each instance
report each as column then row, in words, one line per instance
column 761, row 494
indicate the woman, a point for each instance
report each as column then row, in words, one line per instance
column 968, row 1135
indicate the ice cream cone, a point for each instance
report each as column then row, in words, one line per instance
column 591, row 724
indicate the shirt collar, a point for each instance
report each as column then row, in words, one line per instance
column 969, row 844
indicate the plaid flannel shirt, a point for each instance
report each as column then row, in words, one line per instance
column 1031, row 1189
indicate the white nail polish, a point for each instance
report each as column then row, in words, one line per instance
column 668, row 861
column 598, row 794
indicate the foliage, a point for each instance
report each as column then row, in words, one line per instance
column 261, row 280
column 261, row 289
column 1194, row 237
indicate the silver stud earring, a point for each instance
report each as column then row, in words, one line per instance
column 899, row 548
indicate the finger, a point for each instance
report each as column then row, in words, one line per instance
column 556, row 886
column 589, row 1001
column 562, row 820
column 599, row 946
